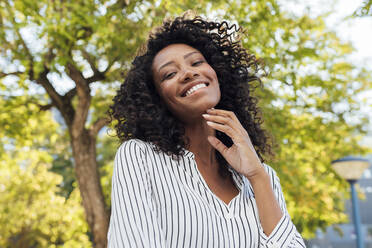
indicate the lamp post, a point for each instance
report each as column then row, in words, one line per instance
column 351, row 169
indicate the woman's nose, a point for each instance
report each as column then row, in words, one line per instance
column 189, row 74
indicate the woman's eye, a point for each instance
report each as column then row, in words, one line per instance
column 197, row 62
column 169, row 75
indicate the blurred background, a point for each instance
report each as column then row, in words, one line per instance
column 62, row 61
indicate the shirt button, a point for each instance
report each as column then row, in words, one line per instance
column 229, row 215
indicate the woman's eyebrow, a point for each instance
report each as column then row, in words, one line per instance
column 189, row 54
column 170, row 62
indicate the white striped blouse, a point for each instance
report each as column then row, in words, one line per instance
column 157, row 201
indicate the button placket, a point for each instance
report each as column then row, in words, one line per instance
column 229, row 215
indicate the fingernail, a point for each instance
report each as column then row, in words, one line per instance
column 205, row 115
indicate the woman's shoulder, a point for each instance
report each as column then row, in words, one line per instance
column 135, row 144
column 132, row 148
column 133, row 153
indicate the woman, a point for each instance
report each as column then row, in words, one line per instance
column 190, row 171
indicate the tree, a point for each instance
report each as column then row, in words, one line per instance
column 32, row 208
column 76, row 52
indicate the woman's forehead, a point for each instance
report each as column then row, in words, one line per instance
column 172, row 51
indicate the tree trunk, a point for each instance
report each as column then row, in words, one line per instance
column 86, row 169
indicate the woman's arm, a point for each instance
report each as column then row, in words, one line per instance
column 133, row 221
column 277, row 231
column 268, row 207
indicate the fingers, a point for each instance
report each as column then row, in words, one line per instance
column 225, row 121
column 223, row 128
column 218, row 119
column 222, row 112
column 218, row 145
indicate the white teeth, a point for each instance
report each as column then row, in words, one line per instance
column 196, row 87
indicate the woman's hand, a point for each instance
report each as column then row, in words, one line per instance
column 241, row 155
column 244, row 159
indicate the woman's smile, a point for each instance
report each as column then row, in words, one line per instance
column 195, row 88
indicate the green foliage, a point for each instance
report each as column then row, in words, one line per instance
column 32, row 214
column 16, row 121
column 33, row 210
column 308, row 101
column 365, row 9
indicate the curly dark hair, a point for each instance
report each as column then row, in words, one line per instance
column 141, row 113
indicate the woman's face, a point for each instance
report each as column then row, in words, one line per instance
column 185, row 81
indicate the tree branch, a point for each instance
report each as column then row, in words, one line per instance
column 90, row 60
column 70, row 94
column 45, row 107
column 46, row 84
column 98, row 125
column 49, row 56
column 3, row 74
column 96, row 77
column 42, row 107
column 102, row 75
column 65, row 107
column 81, row 83
column 111, row 64
column 84, row 97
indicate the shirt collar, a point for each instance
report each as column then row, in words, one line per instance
column 188, row 153
column 238, row 178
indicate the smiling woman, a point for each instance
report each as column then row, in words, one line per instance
column 190, row 171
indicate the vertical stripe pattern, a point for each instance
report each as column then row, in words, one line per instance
column 157, row 201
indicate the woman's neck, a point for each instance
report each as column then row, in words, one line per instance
column 198, row 142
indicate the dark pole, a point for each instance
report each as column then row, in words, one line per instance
column 356, row 215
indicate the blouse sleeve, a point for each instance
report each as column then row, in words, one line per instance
column 285, row 234
column 133, row 221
